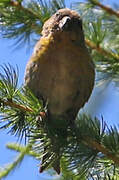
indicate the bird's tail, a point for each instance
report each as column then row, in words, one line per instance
column 46, row 162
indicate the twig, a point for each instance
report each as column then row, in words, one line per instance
column 21, row 107
column 106, row 8
column 93, row 144
column 20, row 148
column 19, row 6
column 87, row 141
column 101, row 50
column 14, row 105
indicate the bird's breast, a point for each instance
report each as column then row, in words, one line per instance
column 61, row 75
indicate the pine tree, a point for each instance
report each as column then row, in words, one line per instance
column 91, row 151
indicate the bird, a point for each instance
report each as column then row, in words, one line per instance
column 61, row 71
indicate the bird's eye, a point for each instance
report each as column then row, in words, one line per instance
column 57, row 14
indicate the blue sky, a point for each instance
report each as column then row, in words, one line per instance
column 102, row 101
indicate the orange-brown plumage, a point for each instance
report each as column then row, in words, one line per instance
column 60, row 70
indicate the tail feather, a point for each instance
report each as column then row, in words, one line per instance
column 56, row 166
column 45, row 163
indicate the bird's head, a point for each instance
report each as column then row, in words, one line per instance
column 64, row 20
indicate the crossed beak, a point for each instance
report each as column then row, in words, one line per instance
column 64, row 22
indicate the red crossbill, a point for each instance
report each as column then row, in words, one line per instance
column 60, row 70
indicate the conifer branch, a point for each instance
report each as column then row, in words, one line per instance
column 101, row 50
column 19, row 6
column 93, row 144
column 11, row 166
column 106, row 8
column 87, row 141
column 14, row 164
column 14, row 105
column 20, row 148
